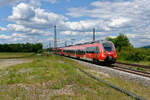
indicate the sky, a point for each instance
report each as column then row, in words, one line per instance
column 33, row 21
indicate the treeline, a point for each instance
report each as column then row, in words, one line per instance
column 28, row 47
column 127, row 52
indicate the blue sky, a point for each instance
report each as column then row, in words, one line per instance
column 33, row 20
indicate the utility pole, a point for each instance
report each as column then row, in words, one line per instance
column 65, row 43
column 55, row 38
column 50, row 44
column 72, row 40
column 93, row 34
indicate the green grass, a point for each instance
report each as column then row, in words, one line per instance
column 133, row 87
column 52, row 78
column 6, row 55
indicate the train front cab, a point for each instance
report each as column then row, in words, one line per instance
column 108, row 54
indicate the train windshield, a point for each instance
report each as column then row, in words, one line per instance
column 108, row 46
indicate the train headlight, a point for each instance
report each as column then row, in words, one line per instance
column 106, row 52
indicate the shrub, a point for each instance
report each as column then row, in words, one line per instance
column 148, row 58
column 133, row 54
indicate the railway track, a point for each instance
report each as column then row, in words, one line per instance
column 137, row 69
column 135, row 65
column 125, row 68
column 133, row 71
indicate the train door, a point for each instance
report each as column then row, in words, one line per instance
column 89, row 53
column 96, row 52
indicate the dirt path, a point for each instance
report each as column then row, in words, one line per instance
column 8, row 62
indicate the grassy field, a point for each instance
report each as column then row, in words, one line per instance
column 14, row 55
column 57, row 78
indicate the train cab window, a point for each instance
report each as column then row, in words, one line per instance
column 108, row 46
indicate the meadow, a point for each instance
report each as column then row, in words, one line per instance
column 7, row 55
column 57, row 78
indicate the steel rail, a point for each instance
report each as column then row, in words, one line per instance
column 136, row 65
column 141, row 73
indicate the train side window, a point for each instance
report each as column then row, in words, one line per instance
column 87, row 50
column 97, row 50
column 77, row 52
column 83, row 52
column 92, row 50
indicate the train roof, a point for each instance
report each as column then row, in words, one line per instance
column 98, row 41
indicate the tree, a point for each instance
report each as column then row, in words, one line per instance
column 120, row 42
column 28, row 47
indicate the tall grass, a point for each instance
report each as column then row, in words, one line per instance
column 53, row 77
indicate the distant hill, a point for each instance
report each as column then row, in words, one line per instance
column 146, row 46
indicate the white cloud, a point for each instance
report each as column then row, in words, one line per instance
column 77, row 12
column 109, row 19
column 17, row 28
column 22, row 12
column 19, row 35
column 35, row 3
column 52, row 1
column 6, row 2
column 69, row 32
column 56, row 1
column 24, row 30
column 87, row 25
column 29, row 16
column 130, row 17
column 2, row 36
column 3, row 29
column 118, row 22
column 13, row 36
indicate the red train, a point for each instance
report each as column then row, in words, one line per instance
column 98, row 51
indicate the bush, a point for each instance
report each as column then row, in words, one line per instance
column 148, row 58
column 133, row 54
column 40, row 51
